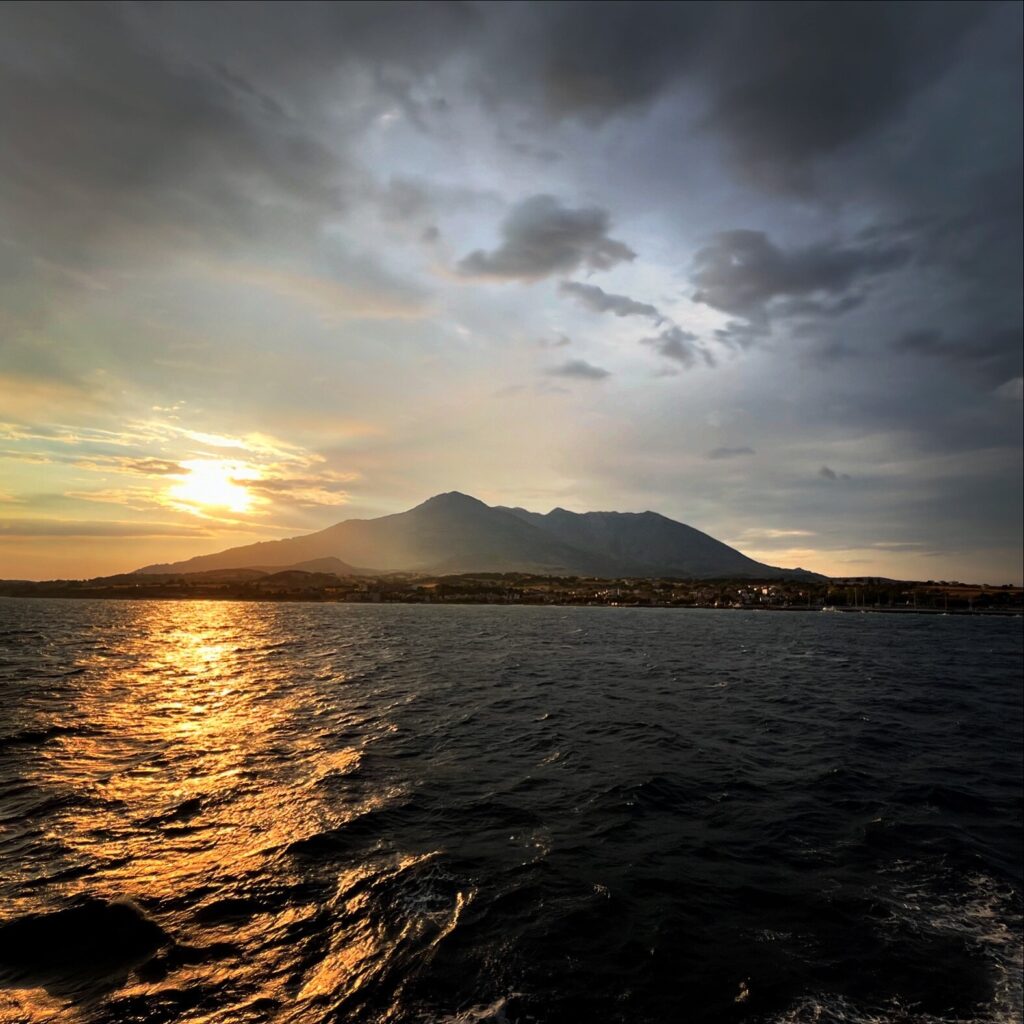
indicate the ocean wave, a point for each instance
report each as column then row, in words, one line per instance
column 375, row 815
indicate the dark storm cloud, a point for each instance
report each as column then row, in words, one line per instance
column 193, row 118
column 596, row 299
column 680, row 346
column 592, row 61
column 825, row 352
column 540, row 237
column 579, row 369
column 805, row 80
column 133, row 140
column 404, row 200
column 188, row 125
column 741, row 334
column 744, row 273
column 729, row 453
column 978, row 235
column 786, row 83
column 1011, row 390
column 997, row 354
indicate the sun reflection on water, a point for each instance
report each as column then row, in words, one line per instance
column 196, row 753
column 177, row 733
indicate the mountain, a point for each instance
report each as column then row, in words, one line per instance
column 452, row 533
column 648, row 543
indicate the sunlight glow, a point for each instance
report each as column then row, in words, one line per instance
column 215, row 483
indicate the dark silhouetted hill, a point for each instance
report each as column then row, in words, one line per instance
column 454, row 533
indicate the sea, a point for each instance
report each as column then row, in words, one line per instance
column 231, row 813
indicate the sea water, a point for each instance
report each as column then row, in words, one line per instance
column 242, row 812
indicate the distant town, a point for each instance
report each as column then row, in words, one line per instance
column 852, row 594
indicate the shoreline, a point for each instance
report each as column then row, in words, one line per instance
column 299, row 599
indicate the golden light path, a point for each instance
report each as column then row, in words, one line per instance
column 197, row 770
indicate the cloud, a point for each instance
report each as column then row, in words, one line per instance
column 351, row 294
column 95, row 528
column 897, row 545
column 827, row 473
column 25, row 394
column 744, row 273
column 595, row 68
column 596, row 299
column 182, row 125
column 579, row 369
column 997, row 353
column 784, row 85
column 740, row 334
column 150, row 148
column 326, row 488
column 541, row 237
column 144, row 466
column 271, row 474
column 155, row 467
column 1012, row 390
column 796, row 86
column 560, row 341
column 729, row 453
column 774, row 534
column 827, row 351
column 678, row 345
column 770, row 539
column 405, row 200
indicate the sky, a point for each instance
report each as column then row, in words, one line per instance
column 756, row 267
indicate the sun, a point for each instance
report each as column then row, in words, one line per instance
column 215, row 483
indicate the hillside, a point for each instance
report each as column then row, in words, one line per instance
column 454, row 533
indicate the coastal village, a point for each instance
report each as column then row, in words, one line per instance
column 848, row 594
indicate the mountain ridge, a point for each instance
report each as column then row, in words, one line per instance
column 456, row 532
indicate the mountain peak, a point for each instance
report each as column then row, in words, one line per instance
column 452, row 499
column 455, row 532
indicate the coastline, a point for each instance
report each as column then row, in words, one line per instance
column 857, row 594
column 1013, row 612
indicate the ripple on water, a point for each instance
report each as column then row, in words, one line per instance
column 243, row 813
